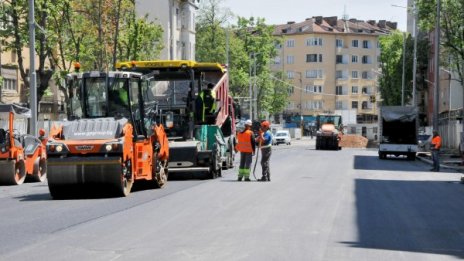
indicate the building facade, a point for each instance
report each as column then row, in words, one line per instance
column 333, row 65
column 177, row 18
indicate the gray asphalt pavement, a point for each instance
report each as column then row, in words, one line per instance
column 320, row 205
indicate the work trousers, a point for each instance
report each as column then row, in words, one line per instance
column 436, row 160
column 265, row 160
column 245, row 164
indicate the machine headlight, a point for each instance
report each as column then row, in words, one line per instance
column 108, row 147
column 59, row 148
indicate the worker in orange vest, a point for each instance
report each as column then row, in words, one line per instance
column 436, row 145
column 246, row 145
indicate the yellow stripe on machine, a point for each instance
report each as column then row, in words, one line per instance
column 160, row 64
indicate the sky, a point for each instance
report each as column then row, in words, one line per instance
column 280, row 12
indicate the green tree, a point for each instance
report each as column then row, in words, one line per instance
column 246, row 37
column 452, row 32
column 391, row 57
column 77, row 30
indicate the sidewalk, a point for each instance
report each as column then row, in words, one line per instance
column 449, row 159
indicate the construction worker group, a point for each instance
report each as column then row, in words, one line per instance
column 246, row 145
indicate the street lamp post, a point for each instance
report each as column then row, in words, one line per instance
column 403, row 73
column 436, row 69
column 32, row 73
column 414, row 65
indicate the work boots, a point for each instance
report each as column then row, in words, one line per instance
column 247, row 179
column 239, row 179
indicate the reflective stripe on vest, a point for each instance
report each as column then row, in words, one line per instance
column 244, row 141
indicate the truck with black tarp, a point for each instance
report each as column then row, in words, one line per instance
column 398, row 131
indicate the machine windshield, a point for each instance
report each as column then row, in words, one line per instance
column 75, row 104
column 170, row 93
column 336, row 120
column 106, row 102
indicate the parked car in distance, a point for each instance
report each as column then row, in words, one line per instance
column 423, row 143
column 282, row 136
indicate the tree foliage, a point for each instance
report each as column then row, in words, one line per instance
column 249, row 40
column 94, row 33
column 391, row 57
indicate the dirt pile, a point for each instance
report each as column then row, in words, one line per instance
column 353, row 141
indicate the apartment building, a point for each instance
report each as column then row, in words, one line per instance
column 177, row 18
column 333, row 65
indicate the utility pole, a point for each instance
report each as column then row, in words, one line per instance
column 250, row 92
column 32, row 73
column 436, row 69
column 414, row 66
column 403, row 73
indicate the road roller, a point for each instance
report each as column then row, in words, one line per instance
column 21, row 155
column 111, row 138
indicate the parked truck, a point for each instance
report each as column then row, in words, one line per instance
column 398, row 127
column 198, row 111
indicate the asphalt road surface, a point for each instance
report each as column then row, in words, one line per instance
column 320, row 205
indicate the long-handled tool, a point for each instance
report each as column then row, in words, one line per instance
column 257, row 155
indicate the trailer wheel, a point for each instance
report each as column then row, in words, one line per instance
column 215, row 169
column 39, row 173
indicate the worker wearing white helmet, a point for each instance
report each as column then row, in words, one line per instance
column 246, row 145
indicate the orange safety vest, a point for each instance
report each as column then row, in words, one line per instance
column 436, row 142
column 244, row 141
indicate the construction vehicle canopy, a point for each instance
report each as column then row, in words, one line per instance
column 111, row 137
column 19, row 111
column 196, row 109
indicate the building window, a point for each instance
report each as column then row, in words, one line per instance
column 338, row 90
column 354, row 59
column 278, row 46
column 290, row 74
column 343, row 75
column 178, row 21
column 354, row 89
column 320, row 58
column 367, row 90
column 314, row 74
column 277, row 60
column 311, row 58
column 291, row 90
column 290, row 43
column 9, row 84
column 366, row 59
column 366, row 75
column 338, row 42
column 354, row 43
column 366, row 44
column 290, row 59
column 314, row 41
column 317, row 88
column 354, row 74
column 364, row 105
column 339, row 59
column 354, row 105
column 308, row 89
